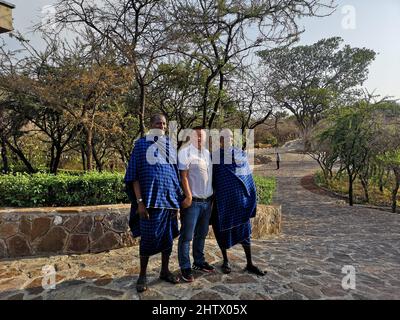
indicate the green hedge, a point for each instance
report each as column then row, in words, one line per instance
column 265, row 189
column 42, row 189
column 47, row 190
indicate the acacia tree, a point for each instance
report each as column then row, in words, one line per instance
column 12, row 129
column 350, row 135
column 11, row 126
column 391, row 159
column 216, row 33
column 308, row 80
column 74, row 81
column 252, row 103
column 321, row 150
column 136, row 29
column 177, row 91
column 388, row 143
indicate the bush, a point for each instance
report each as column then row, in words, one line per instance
column 265, row 189
column 47, row 190
column 42, row 189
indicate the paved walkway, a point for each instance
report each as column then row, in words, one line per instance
column 320, row 236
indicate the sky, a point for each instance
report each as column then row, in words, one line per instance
column 371, row 24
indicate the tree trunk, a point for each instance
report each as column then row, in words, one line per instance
column 51, row 164
column 83, row 157
column 6, row 168
column 218, row 101
column 381, row 181
column 21, row 155
column 350, row 189
column 56, row 161
column 365, row 187
column 205, row 100
column 88, row 149
column 395, row 190
column 142, row 109
column 99, row 165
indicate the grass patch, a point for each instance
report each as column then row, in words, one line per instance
column 340, row 185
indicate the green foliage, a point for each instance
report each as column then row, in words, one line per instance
column 42, row 189
column 265, row 189
column 308, row 80
column 390, row 158
column 94, row 188
column 269, row 138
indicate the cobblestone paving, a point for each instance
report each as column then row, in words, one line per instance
column 320, row 236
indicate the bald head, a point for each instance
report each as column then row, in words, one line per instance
column 226, row 138
column 158, row 121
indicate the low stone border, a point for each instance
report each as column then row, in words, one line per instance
column 92, row 229
column 43, row 231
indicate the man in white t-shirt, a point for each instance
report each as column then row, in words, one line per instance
column 195, row 165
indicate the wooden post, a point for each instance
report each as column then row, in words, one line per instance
column 6, row 24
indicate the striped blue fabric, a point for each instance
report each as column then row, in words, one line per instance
column 228, row 238
column 153, row 163
column 235, row 198
column 157, row 233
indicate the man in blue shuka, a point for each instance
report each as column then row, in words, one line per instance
column 235, row 200
column 153, row 185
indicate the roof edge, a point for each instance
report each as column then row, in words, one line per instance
column 7, row 4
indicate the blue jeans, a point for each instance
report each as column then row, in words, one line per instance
column 194, row 226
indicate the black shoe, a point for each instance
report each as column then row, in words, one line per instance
column 169, row 277
column 141, row 284
column 206, row 267
column 187, row 275
column 255, row 270
column 226, row 268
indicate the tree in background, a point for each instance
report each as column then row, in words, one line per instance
column 222, row 34
column 137, row 30
column 349, row 135
column 308, row 80
column 70, row 84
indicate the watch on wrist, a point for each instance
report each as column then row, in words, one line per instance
column 139, row 200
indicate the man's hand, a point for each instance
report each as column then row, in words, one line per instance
column 176, row 214
column 143, row 211
column 186, row 203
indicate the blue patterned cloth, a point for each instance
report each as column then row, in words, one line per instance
column 153, row 163
column 235, row 198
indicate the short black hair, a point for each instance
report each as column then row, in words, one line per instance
column 198, row 128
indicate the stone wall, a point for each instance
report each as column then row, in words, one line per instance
column 43, row 231
column 267, row 222
column 92, row 229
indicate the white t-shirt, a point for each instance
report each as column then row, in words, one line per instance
column 199, row 164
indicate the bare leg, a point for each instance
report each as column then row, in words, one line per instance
column 143, row 266
column 225, row 265
column 250, row 266
column 165, row 262
column 165, row 274
column 141, row 284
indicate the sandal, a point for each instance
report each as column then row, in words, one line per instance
column 141, row 284
column 253, row 269
column 226, row 268
column 169, row 277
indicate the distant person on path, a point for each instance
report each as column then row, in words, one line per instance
column 195, row 166
column 154, row 188
column 278, row 160
column 235, row 200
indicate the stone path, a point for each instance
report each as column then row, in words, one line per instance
column 320, row 236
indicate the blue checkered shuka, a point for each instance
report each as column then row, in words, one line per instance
column 235, row 198
column 153, row 163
